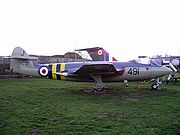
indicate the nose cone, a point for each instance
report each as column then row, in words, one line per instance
column 165, row 71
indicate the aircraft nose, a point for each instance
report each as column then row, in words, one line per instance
column 165, row 70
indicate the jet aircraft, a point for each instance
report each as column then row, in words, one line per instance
column 98, row 54
column 97, row 71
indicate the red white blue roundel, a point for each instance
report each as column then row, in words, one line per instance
column 100, row 52
column 43, row 71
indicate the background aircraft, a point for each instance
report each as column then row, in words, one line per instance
column 98, row 54
column 174, row 61
column 98, row 71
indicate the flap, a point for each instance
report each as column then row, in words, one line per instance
column 102, row 69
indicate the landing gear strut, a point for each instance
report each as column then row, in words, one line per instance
column 98, row 84
column 126, row 83
column 155, row 85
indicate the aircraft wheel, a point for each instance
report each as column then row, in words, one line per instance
column 154, row 86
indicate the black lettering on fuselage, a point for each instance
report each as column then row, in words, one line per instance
column 133, row 71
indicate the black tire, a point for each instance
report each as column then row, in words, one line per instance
column 154, row 86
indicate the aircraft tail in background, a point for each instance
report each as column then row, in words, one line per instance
column 98, row 54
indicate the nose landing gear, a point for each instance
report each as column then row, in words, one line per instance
column 155, row 85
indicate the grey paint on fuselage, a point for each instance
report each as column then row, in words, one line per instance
column 76, row 71
column 145, row 71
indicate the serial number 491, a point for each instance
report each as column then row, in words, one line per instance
column 133, row 71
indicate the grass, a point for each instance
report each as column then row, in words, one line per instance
column 45, row 106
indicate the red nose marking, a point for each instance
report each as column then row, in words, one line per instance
column 44, row 71
column 121, row 72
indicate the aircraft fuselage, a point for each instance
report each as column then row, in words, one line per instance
column 126, row 71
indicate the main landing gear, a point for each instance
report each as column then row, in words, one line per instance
column 98, row 84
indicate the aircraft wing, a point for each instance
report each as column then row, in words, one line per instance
column 89, row 69
column 100, row 69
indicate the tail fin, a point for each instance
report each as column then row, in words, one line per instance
column 98, row 54
column 19, row 53
column 21, row 62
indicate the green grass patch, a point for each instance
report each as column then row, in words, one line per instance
column 61, row 107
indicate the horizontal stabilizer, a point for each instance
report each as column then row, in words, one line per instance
column 22, row 58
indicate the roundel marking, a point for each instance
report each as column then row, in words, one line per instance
column 100, row 52
column 43, row 71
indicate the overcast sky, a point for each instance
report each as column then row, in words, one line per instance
column 125, row 28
